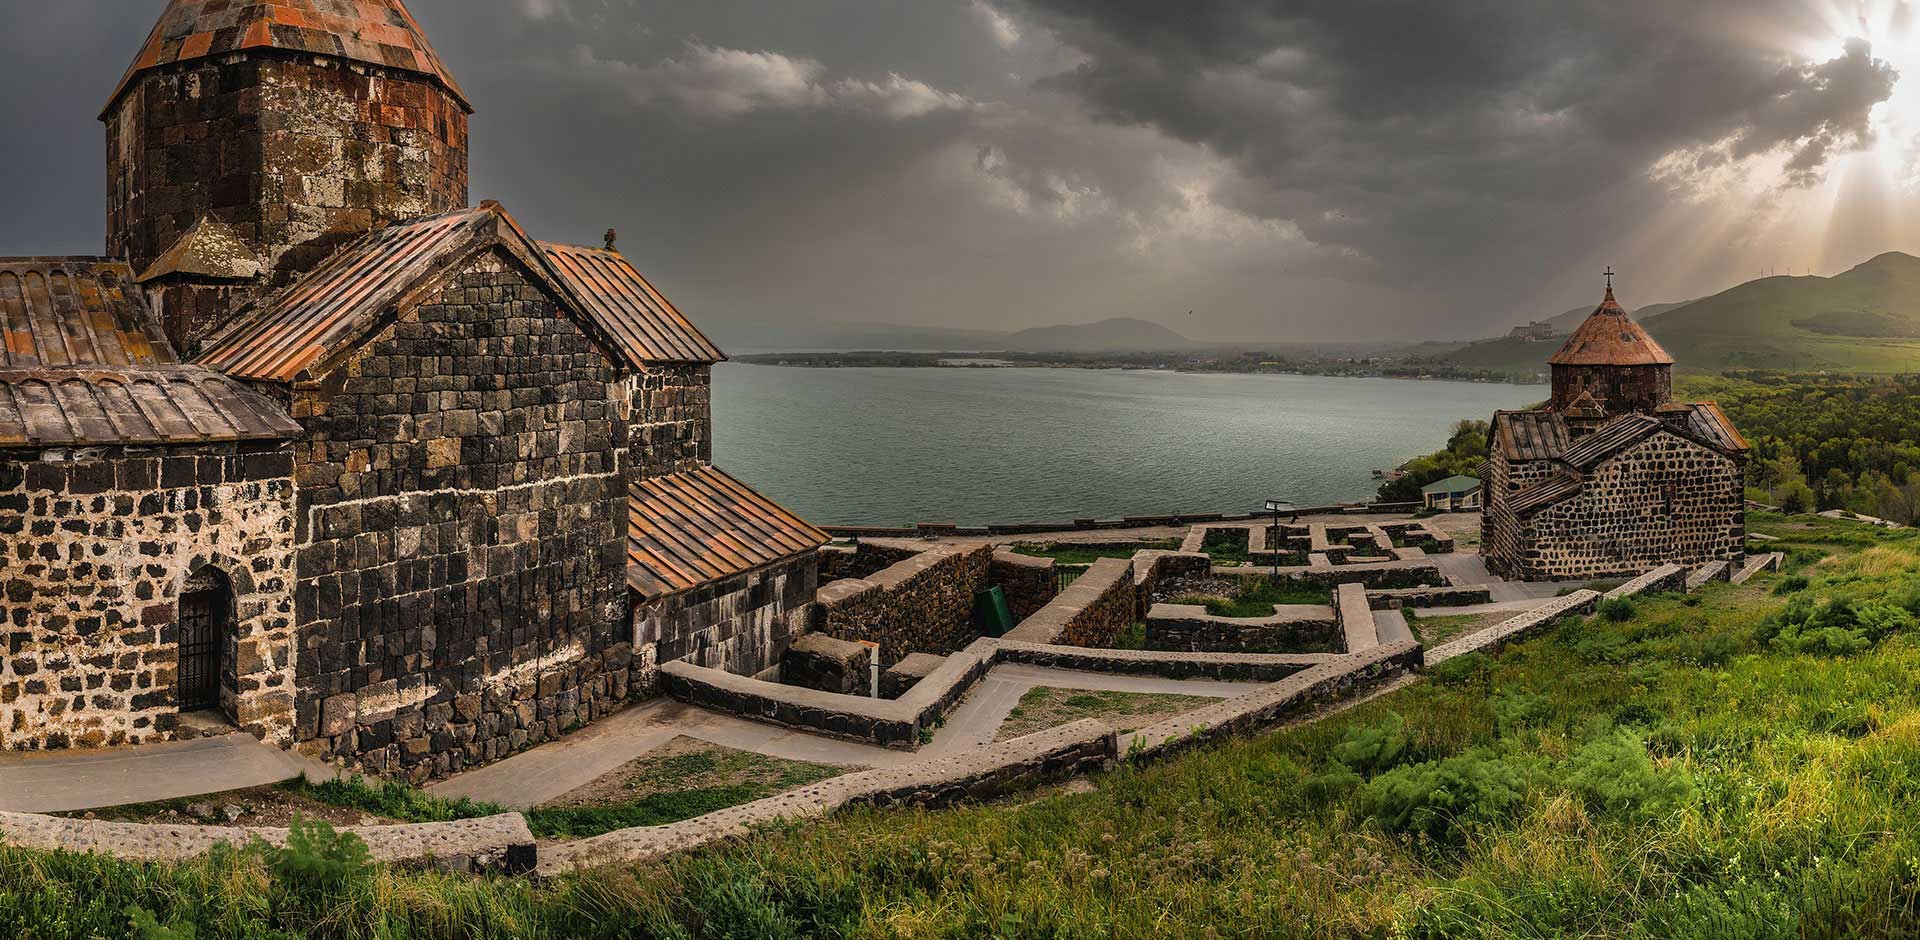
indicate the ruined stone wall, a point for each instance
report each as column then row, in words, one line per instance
column 302, row 153
column 462, row 533
column 1030, row 583
column 1664, row 500
column 671, row 419
column 921, row 605
column 95, row 546
column 741, row 624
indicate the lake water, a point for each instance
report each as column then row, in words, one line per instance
column 900, row 446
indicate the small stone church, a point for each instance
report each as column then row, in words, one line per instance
column 1612, row 477
column 318, row 450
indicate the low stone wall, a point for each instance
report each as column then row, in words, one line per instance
column 1375, row 577
column 1355, row 611
column 1081, row 747
column 501, row 844
column 1398, row 598
column 825, row 664
column 1190, row 629
column 1030, row 583
column 895, row 723
column 1334, row 679
column 909, row 672
column 1711, row 571
column 1493, row 639
column 1757, row 564
column 741, row 623
column 1092, row 612
column 921, row 605
column 1663, row 578
column 1154, row 569
column 1232, row 667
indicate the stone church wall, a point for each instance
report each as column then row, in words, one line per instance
column 95, row 546
column 1664, row 500
column 671, row 420
column 302, row 154
column 462, row 533
column 742, row 625
column 1500, row 529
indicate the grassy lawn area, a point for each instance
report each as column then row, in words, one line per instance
column 1071, row 555
column 680, row 780
column 1043, row 707
column 1742, row 763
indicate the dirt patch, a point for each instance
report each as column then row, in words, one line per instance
column 689, row 764
column 1442, row 628
column 1045, row 707
column 256, row 807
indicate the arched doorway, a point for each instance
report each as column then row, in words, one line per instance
column 203, row 682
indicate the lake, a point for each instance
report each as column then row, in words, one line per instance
column 975, row 446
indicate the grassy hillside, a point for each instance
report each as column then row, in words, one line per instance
column 1745, row 763
column 1865, row 320
column 1516, row 357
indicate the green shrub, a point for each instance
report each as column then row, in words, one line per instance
column 1837, row 627
column 392, row 799
column 318, row 861
column 1514, row 710
column 1791, row 584
column 1373, row 749
column 1613, row 776
column 1445, row 800
column 1461, row 670
column 1617, row 609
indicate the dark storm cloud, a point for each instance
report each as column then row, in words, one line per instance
column 1349, row 168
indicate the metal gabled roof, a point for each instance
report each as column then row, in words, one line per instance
column 1609, row 337
column 376, row 32
column 629, row 308
column 1530, row 435
column 175, row 404
column 700, row 526
column 1610, row 439
column 81, row 312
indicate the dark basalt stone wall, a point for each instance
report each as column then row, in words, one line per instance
column 1622, row 389
column 671, row 420
column 462, row 530
column 96, row 546
column 741, row 624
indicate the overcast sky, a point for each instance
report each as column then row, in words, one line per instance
column 1287, row 169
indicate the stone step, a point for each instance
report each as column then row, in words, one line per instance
column 1392, row 626
column 1711, row 571
column 1768, row 562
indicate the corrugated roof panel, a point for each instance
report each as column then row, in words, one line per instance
column 64, row 407
column 75, row 312
column 1545, row 493
column 1530, row 435
column 629, row 308
column 694, row 528
column 376, row 32
column 1610, row 439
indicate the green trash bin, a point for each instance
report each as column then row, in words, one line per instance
column 991, row 614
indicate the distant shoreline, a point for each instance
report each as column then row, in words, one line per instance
column 1187, row 363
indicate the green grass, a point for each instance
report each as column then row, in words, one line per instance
column 1069, row 555
column 1692, row 773
column 1435, row 630
column 1043, row 707
column 392, row 799
column 1134, row 637
column 666, row 796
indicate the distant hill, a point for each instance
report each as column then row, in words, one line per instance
column 1122, row 334
column 1864, row 320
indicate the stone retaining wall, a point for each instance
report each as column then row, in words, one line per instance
column 1231, row 667
column 1355, row 611
column 1190, row 629
column 1663, row 578
column 1060, row 753
column 741, row 624
column 1398, row 598
column 1375, row 577
column 1092, row 612
column 1030, row 583
column 1334, row 679
column 921, row 605
column 1493, row 639
column 1154, row 569
column 494, row 844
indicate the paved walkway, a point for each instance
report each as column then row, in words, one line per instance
column 68, row 781
column 978, row 719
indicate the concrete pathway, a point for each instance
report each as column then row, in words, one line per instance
column 1497, row 607
column 978, row 719
column 68, row 781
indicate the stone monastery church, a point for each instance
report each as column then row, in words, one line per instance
column 1612, row 477
column 318, row 448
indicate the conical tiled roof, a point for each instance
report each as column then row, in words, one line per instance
column 377, row 32
column 1611, row 338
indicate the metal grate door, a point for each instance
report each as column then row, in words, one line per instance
column 199, row 678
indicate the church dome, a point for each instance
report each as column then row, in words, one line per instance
column 1610, row 338
column 375, row 32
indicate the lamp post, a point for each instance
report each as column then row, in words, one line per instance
column 1276, row 506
